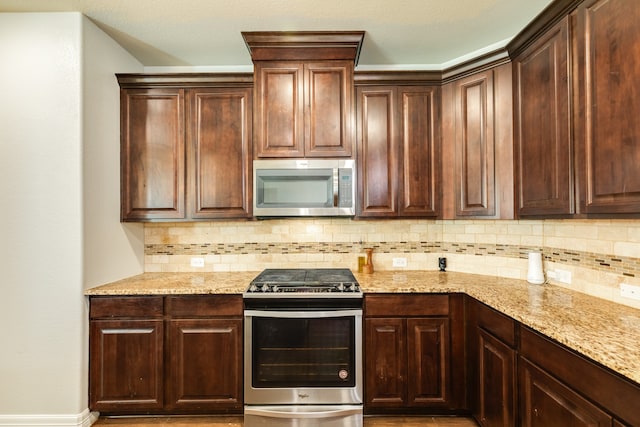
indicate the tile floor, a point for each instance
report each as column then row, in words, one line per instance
column 223, row 421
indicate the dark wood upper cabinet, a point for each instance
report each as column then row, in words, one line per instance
column 378, row 151
column 185, row 146
column 477, row 147
column 607, row 128
column 152, row 154
column 398, row 134
column 543, row 144
column 303, row 92
column 219, row 152
column 303, row 109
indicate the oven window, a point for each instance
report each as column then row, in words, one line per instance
column 301, row 352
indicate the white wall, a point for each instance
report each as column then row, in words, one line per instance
column 43, row 353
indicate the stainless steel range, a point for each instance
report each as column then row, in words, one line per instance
column 303, row 349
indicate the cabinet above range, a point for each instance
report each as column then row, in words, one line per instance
column 303, row 92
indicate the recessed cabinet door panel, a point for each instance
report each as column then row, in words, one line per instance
column 126, row 367
column 546, row 402
column 542, row 126
column 496, row 382
column 608, row 134
column 219, row 152
column 152, row 154
column 330, row 108
column 420, row 149
column 377, row 156
column 475, row 148
column 205, row 364
column 428, row 349
column 279, row 109
column 385, row 362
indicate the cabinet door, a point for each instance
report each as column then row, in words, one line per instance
column 542, row 126
column 419, row 150
column 377, row 152
column 428, row 352
column 219, row 135
column 152, row 154
column 126, row 365
column 329, row 109
column 607, row 125
column 204, row 371
column 546, row 402
column 475, row 146
column 385, row 366
column 279, row 109
column 496, row 382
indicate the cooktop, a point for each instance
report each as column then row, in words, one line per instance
column 304, row 282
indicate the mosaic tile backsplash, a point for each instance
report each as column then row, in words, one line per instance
column 599, row 254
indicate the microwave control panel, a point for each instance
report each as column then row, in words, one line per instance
column 345, row 187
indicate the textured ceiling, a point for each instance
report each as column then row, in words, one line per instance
column 418, row 34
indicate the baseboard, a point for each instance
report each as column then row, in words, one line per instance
column 84, row 419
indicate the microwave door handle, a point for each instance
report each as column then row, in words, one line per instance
column 336, row 188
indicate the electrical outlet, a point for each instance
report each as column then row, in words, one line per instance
column 563, row 276
column 399, row 262
column 197, row 262
column 629, row 291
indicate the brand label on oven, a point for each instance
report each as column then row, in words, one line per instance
column 343, row 374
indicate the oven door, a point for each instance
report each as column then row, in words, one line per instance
column 303, row 357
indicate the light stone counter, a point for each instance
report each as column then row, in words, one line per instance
column 606, row 332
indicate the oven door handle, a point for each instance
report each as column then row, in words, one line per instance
column 301, row 314
column 303, row 412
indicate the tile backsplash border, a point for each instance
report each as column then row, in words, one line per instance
column 601, row 254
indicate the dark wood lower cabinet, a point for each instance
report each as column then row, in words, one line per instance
column 546, row 402
column 161, row 355
column 518, row 377
column 408, row 361
column 126, row 365
column 497, row 364
column 204, row 364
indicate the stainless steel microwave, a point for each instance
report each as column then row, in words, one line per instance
column 304, row 187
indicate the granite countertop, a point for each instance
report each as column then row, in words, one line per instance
column 606, row 332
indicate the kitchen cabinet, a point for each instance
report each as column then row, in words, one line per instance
column 398, row 134
column 547, row 402
column 303, row 109
column 517, row 376
column 126, row 356
column 204, row 358
column 607, row 129
column 219, row 152
column 477, row 145
column 303, row 92
column 166, row 355
column 542, row 133
column 185, row 149
column 152, row 154
column 408, row 362
column 492, row 366
column 558, row 384
column 575, row 115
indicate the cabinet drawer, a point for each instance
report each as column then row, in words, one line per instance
column 204, row 305
column 409, row 305
column 501, row 326
column 112, row 307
